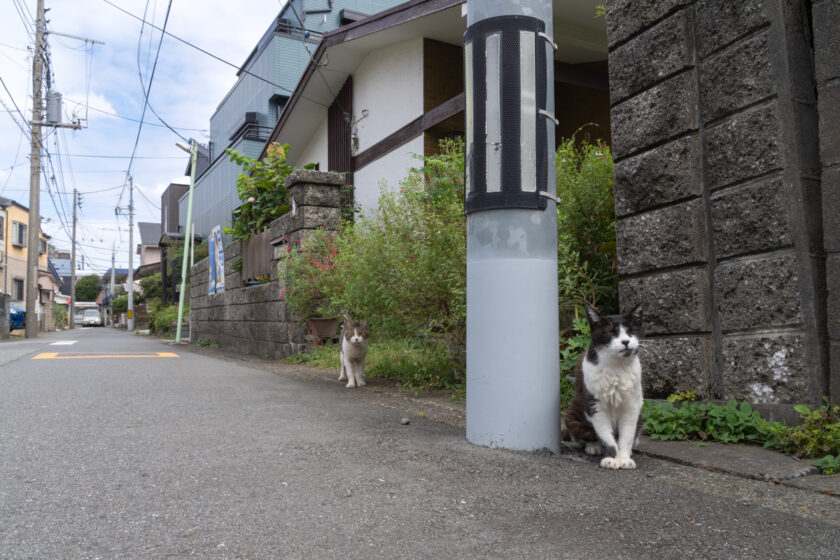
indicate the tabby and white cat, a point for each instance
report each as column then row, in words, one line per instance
column 354, row 345
column 605, row 414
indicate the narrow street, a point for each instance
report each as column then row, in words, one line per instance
column 121, row 446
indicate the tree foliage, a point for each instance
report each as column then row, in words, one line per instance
column 261, row 186
column 87, row 288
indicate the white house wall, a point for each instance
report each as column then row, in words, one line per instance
column 317, row 151
column 385, row 173
column 388, row 84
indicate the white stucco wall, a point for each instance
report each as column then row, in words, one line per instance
column 387, row 83
column 390, row 169
column 317, row 149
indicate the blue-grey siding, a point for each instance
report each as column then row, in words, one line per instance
column 280, row 58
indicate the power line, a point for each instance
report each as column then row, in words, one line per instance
column 2, row 81
column 146, row 96
column 238, row 68
column 120, row 157
column 79, row 103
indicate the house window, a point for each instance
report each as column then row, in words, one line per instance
column 42, row 246
column 17, row 289
column 2, row 228
column 19, row 234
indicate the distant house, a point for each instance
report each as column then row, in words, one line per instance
column 148, row 249
column 247, row 114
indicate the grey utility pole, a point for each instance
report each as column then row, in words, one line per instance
column 112, row 287
column 513, row 379
column 34, row 227
column 72, row 318
column 130, row 319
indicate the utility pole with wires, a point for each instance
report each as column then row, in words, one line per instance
column 71, row 319
column 130, row 319
column 33, row 233
column 130, row 211
column 112, row 288
column 53, row 119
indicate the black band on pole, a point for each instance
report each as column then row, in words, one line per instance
column 509, row 150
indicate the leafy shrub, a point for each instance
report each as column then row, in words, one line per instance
column 261, row 187
column 587, row 266
column 60, row 314
column 573, row 345
column 404, row 266
column 151, row 286
column 305, row 273
column 162, row 318
column 120, row 304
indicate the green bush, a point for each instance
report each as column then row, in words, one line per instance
column 151, row 286
column 262, row 189
column 60, row 313
column 586, row 248
column 120, row 304
column 161, row 318
column 404, row 266
column 87, row 288
column 306, row 271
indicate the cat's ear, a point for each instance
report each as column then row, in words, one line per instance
column 593, row 316
column 635, row 316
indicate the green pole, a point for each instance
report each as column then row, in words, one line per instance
column 193, row 154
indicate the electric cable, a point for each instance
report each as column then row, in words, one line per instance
column 240, row 69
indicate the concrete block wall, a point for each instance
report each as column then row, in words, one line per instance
column 715, row 115
column 255, row 319
column 826, row 36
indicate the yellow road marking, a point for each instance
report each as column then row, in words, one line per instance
column 80, row 355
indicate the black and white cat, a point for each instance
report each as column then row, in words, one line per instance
column 354, row 346
column 605, row 414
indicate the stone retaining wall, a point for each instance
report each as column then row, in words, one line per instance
column 254, row 319
column 715, row 113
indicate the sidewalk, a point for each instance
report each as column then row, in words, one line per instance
column 746, row 461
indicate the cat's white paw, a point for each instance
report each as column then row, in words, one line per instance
column 361, row 384
column 610, row 463
column 626, row 463
column 351, row 384
column 594, row 449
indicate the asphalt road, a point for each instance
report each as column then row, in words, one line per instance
column 199, row 457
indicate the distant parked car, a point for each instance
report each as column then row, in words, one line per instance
column 92, row 318
column 17, row 318
column 79, row 316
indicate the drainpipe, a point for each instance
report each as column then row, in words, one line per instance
column 513, row 378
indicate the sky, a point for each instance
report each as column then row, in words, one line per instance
column 104, row 86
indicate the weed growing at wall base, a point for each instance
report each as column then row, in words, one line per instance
column 818, row 436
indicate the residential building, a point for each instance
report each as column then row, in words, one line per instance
column 14, row 225
column 381, row 91
column 249, row 111
column 148, row 249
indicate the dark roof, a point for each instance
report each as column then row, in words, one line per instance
column 149, row 233
column 118, row 272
